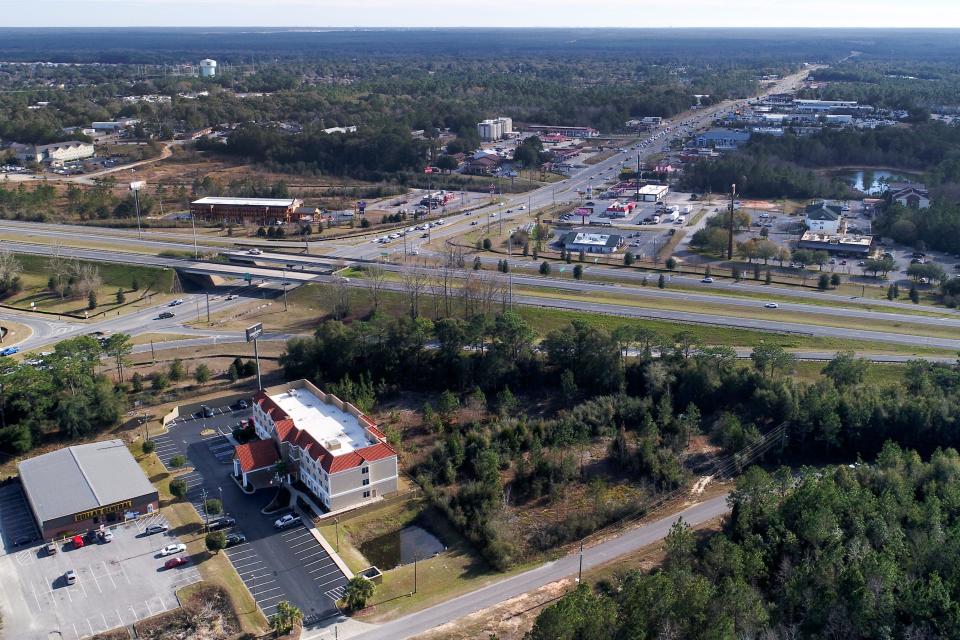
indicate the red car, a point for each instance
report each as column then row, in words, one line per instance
column 77, row 542
column 173, row 563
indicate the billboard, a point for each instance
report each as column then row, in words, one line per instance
column 254, row 332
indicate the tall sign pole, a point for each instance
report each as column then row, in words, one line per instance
column 253, row 333
column 136, row 187
column 733, row 196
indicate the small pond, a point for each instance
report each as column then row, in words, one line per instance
column 400, row 547
column 871, row 181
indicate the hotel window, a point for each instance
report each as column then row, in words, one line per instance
column 365, row 470
column 366, row 494
column 366, row 481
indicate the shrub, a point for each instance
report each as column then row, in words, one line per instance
column 178, row 461
column 149, row 446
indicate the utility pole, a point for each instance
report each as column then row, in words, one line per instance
column 638, row 177
column 193, row 223
column 285, row 286
column 135, row 187
column 415, row 573
column 580, row 570
column 733, row 196
column 208, row 306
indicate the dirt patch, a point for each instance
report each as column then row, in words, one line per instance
column 206, row 615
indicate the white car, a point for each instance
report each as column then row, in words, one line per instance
column 707, row 280
column 286, row 521
column 772, row 305
column 232, row 296
column 176, row 302
column 254, row 252
column 171, row 549
column 522, row 207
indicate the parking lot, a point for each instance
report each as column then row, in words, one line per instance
column 274, row 565
column 17, row 526
column 118, row 583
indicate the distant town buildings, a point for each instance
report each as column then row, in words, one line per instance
column 53, row 154
column 113, row 126
column 350, row 129
column 495, row 129
column 262, row 211
column 722, row 139
column 570, row 132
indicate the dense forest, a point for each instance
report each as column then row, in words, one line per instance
column 858, row 551
column 66, row 398
column 640, row 409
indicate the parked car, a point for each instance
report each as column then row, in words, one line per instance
column 70, row 577
column 155, row 528
column 243, row 404
column 51, row 549
column 171, row 549
column 206, row 411
column 9, row 351
column 221, row 523
column 286, row 521
column 173, row 563
column 106, row 536
column 235, row 538
column 77, row 542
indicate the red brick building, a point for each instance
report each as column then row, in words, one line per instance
column 262, row 211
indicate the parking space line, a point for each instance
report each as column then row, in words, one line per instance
column 261, row 592
column 124, row 572
column 318, row 569
column 95, row 581
column 279, row 595
column 75, row 630
column 109, row 575
column 328, row 573
column 314, row 562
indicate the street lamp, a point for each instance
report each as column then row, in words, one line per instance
column 135, row 187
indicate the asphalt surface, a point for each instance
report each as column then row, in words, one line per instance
column 275, row 565
column 411, row 625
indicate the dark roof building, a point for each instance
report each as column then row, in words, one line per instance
column 261, row 211
column 81, row 487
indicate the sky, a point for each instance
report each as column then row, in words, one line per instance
column 482, row 13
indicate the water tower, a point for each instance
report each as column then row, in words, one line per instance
column 208, row 68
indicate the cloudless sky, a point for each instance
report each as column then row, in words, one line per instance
column 482, row 13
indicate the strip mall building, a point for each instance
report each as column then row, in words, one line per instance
column 79, row 488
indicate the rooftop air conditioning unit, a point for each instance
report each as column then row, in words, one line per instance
column 332, row 445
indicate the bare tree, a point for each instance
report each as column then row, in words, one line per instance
column 414, row 284
column 87, row 278
column 10, row 267
column 375, row 278
column 59, row 272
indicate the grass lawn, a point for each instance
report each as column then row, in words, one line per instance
column 449, row 574
column 14, row 332
column 158, row 283
column 878, row 324
column 186, row 523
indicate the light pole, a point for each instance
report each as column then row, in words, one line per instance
column 285, row 267
column 193, row 223
column 135, row 187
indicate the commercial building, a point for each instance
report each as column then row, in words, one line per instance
column 570, row 132
column 722, row 139
column 53, row 154
column 823, row 218
column 326, row 444
column 577, row 241
column 112, row 126
column 914, row 196
column 654, row 192
column 245, row 210
column 495, row 129
column 82, row 487
column 846, row 244
column 819, row 106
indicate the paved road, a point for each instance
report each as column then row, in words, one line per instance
column 633, row 540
